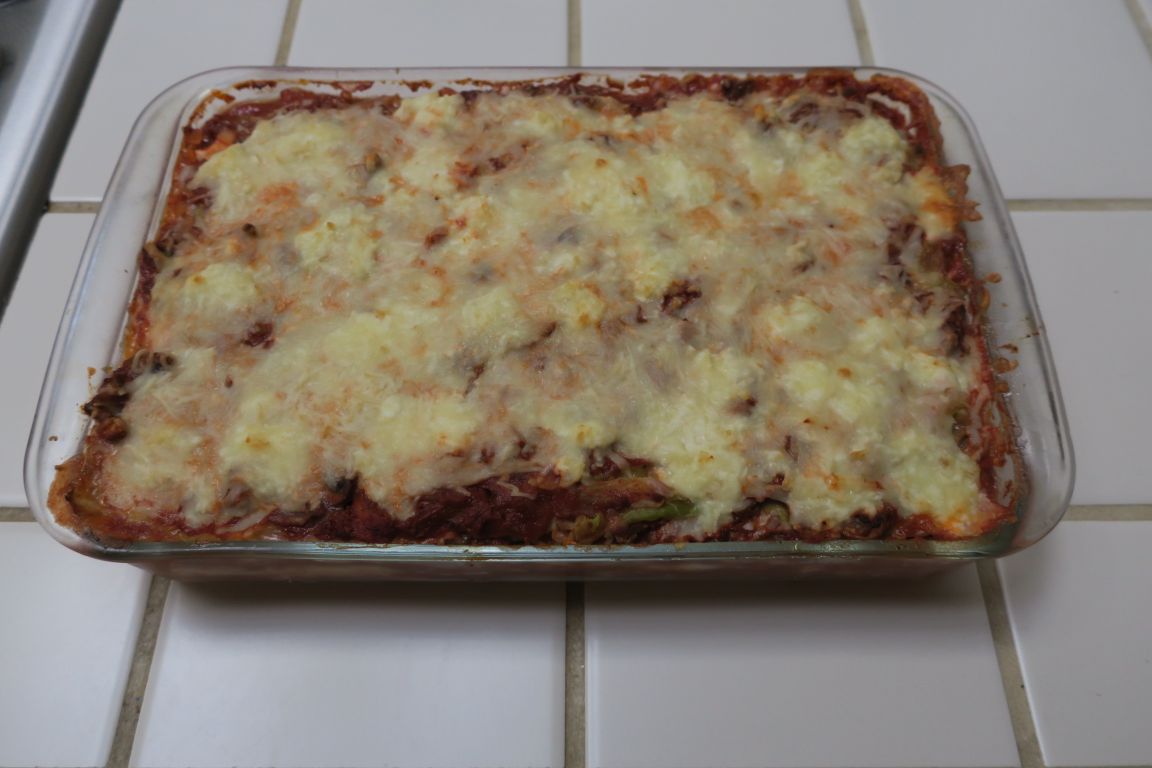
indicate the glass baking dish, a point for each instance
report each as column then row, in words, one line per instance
column 90, row 334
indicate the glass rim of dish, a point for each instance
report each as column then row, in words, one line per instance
column 90, row 334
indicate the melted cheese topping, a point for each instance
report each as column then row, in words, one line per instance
column 706, row 286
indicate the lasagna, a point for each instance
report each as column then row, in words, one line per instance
column 568, row 311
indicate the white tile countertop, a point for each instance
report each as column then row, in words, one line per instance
column 1042, row 659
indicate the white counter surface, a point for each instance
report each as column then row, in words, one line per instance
column 1043, row 659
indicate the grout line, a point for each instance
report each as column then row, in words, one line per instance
column 1099, row 512
column 138, row 674
column 16, row 515
column 1081, row 204
column 1143, row 23
column 863, row 39
column 575, row 28
column 73, row 206
column 1019, row 708
column 574, row 684
column 287, row 32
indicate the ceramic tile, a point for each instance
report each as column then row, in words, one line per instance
column 68, row 633
column 734, row 33
column 735, row 676
column 155, row 44
column 26, row 333
column 1080, row 604
column 407, row 33
column 1052, row 85
column 453, row 675
column 1091, row 272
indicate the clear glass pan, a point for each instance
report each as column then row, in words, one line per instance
column 90, row 333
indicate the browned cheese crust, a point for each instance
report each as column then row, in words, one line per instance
column 619, row 497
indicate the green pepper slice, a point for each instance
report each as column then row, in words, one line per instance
column 673, row 509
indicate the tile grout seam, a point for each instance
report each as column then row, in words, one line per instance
column 130, row 706
column 860, row 30
column 575, row 690
column 1084, row 204
column 1011, row 672
column 73, row 206
column 575, row 33
column 287, row 33
column 1142, row 22
column 16, row 515
column 1109, row 513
